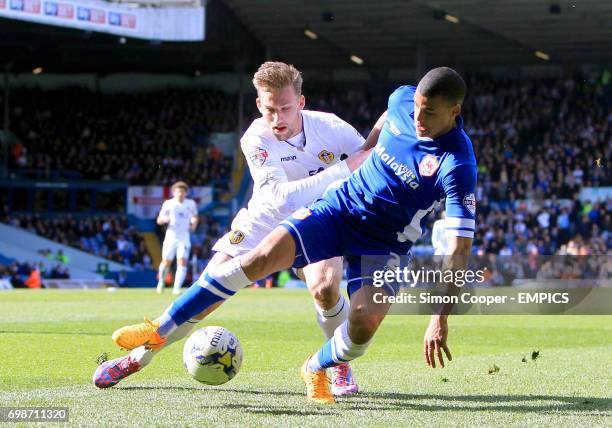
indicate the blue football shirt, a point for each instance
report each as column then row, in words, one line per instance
column 406, row 177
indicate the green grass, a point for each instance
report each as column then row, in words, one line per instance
column 49, row 341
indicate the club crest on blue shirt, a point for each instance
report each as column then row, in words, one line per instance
column 326, row 156
column 469, row 201
column 428, row 166
column 258, row 156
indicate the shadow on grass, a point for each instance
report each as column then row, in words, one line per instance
column 553, row 404
column 266, row 409
column 545, row 404
column 392, row 401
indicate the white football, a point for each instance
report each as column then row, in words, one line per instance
column 212, row 355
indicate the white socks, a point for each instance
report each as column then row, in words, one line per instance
column 144, row 356
column 329, row 320
column 179, row 277
column 161, row 275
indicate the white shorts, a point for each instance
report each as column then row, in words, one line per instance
column 237, row 242
column 175, row 247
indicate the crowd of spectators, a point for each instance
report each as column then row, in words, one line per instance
column 110, row 237
column 29, row 275
column 538, row 143
column 151, row 138
column 113, row 238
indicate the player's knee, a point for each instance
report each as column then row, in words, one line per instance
column 324, row 288
column 255, row 262
column 274, row 253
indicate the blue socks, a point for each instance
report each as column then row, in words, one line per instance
column 337, row 350
column 221, row 283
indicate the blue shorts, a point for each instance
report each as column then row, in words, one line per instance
column 320, row 233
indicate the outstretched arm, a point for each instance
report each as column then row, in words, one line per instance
column 436, row 335
column 375, row 132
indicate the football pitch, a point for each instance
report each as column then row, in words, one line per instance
column 50, row 340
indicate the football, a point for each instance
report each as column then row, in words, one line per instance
column 212, row 355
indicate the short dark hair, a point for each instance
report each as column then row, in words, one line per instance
column 444, row 82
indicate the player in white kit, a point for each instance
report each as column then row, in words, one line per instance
column 293, row 156
column 438, row 236
column 181, row 216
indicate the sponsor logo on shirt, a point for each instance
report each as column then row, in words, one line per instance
column 236, row 237
column 258, row 156
column 315, row 171
column 288, row 158
column 428, row 166
column 326, row 156
column 400, row 169
column 469, row 201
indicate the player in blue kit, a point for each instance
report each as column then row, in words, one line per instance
column 422, row 157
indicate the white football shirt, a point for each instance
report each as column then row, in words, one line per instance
column 180, row 217
column 325, row 141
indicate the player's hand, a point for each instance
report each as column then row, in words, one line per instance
column 355, row 160
column 435, row 341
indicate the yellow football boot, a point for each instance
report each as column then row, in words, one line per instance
column 317, row 385
column 133, row 336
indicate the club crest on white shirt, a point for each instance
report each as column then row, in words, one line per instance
column 258, row 156
column 236, row 237
column 326, row 156
column 428, row 166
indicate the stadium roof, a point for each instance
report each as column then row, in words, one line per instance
column 385, row 34
column 388, row 33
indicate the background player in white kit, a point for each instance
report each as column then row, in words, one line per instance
column 439, row 239
column 181, row 216
column 293, row 156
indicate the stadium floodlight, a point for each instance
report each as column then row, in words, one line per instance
column 542, row 55
column 357, row 60
column 451, row 18
column 37, row 70
column 310, row 34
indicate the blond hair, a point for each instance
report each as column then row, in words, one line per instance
column 180, row 185
column 273, row 75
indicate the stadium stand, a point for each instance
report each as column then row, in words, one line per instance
column 536, row 154
column 109, row 237
column 148, row 138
